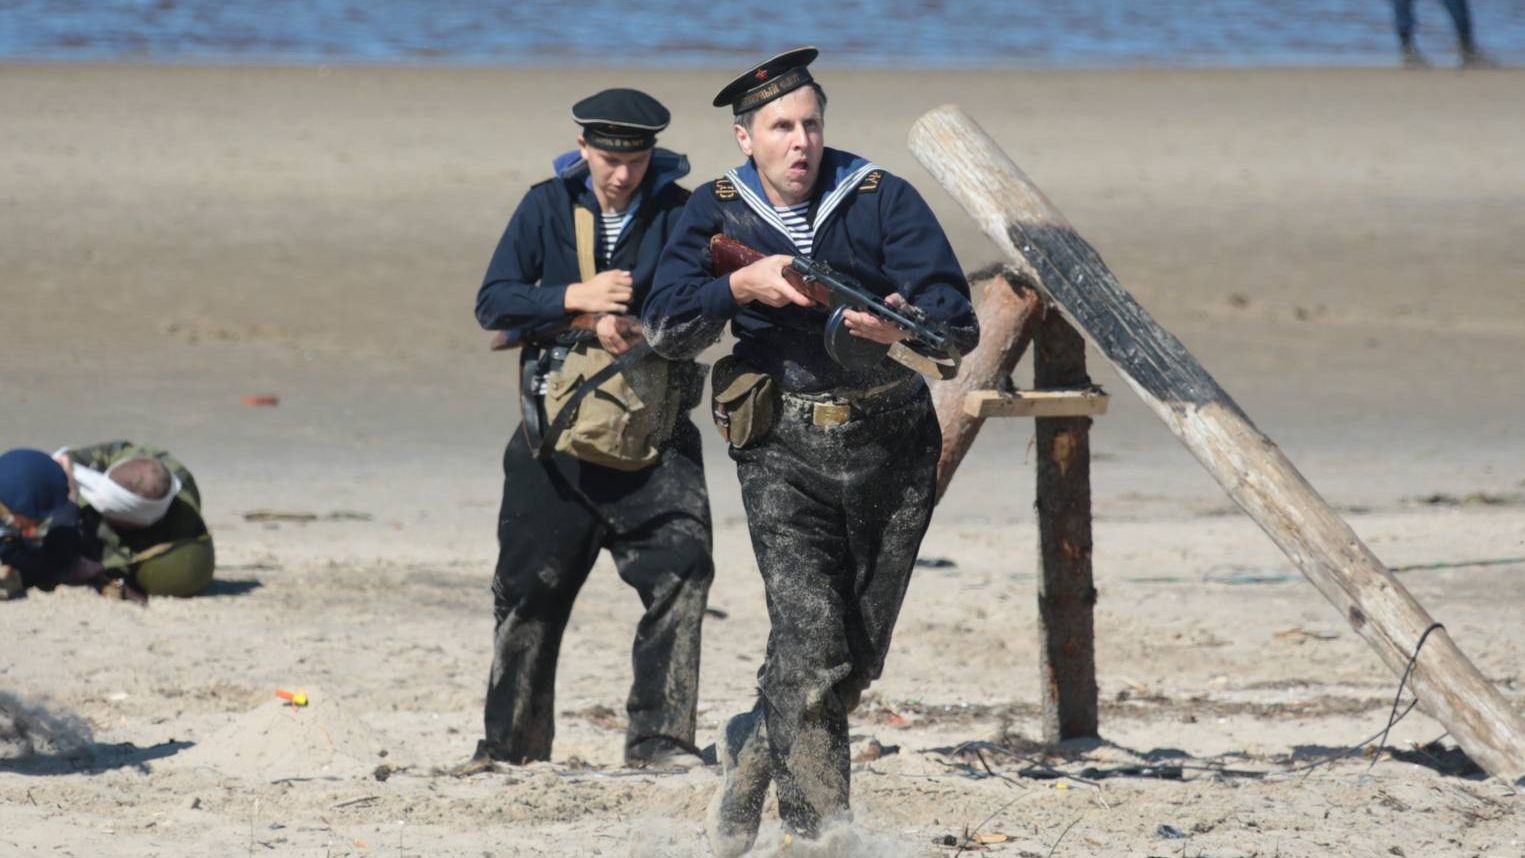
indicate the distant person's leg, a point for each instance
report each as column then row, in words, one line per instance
column 1461, row 16
column 1403, row 21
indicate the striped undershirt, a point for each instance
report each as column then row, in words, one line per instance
column 796, row 220
column 610, row 225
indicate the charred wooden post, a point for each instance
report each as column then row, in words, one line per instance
column 1066, row 594
column 1252, row 469
column 1007, row 310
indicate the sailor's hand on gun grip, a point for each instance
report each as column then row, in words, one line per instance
column 871, row 327
column 617, row 334
column 764, row 281
column 607, row 292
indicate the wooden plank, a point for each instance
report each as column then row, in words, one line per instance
column 1066, row 594
column 1086, row 402
column 1008, row 306
column 1252, row 469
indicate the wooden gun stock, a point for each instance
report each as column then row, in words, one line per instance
column 727, row 255
column 505, row 340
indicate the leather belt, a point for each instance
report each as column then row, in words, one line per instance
column 839, row 407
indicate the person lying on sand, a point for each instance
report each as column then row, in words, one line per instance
column 140, row 519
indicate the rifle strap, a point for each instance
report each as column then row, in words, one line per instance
column 531, row 411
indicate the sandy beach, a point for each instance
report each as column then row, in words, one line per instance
column 1340, row 248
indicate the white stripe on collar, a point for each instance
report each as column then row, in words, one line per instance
column 840, row 192
column 759, row 206
column 764, row 209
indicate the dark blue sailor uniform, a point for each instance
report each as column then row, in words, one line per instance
column 836, row 509
column 558, row 512
column 870, row 225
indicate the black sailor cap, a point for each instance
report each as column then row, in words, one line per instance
column 771, row 79
column 620, row 120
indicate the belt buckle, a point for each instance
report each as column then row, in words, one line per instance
column 830, row 413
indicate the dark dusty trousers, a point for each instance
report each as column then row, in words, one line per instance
column 554, row 519
column 837, row 515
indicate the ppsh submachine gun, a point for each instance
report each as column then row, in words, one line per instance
column 929, row 349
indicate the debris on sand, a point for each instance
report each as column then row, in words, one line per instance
column 875, row 750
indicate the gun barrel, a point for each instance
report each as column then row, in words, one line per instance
column 852, row 294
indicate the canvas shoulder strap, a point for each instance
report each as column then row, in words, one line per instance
column 582, row 220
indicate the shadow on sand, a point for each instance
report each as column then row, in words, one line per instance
column 92, row 759
column 231, row 587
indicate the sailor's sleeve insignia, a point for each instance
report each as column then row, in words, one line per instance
column 724, row 190
column 870, row 182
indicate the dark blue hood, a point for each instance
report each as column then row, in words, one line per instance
column 32, row 484
column 666, row 167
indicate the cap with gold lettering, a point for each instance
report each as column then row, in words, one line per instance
column 620, row 120
column 771, row 79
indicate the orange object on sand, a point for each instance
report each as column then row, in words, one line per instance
column 295, row 698
column 267, row 400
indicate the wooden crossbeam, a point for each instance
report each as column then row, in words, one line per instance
column 1081, row 402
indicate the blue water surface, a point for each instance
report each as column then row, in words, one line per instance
column 686, row 33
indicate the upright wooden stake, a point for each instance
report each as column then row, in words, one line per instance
column 1253, row 470
column 1066, row 595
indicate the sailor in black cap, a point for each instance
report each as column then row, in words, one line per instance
column 606, row 457
column 839, row 490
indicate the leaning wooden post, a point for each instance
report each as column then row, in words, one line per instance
column 1007, row 310
column 1066, row 594
column 1252, row 469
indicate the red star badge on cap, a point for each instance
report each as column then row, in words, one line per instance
column 762, row 74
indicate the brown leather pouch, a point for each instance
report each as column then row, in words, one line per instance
column 744, row 401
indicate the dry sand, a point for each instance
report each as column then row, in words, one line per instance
column 1340, row 248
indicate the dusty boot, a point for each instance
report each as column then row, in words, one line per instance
column 1472, row 58
column 736, row 809
column 1412, row 59
column 480, row 762
column 663, row 753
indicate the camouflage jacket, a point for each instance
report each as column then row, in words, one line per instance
column 117, row 547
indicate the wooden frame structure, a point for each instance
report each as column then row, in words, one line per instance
column 1249, row 466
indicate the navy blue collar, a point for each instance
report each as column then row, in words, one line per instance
column 666, row 168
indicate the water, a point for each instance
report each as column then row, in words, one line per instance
column 690, row 33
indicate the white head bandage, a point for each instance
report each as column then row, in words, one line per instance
column 117, row 503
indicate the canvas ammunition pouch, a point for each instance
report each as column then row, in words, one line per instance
column 745, row 401
column 617, row 412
